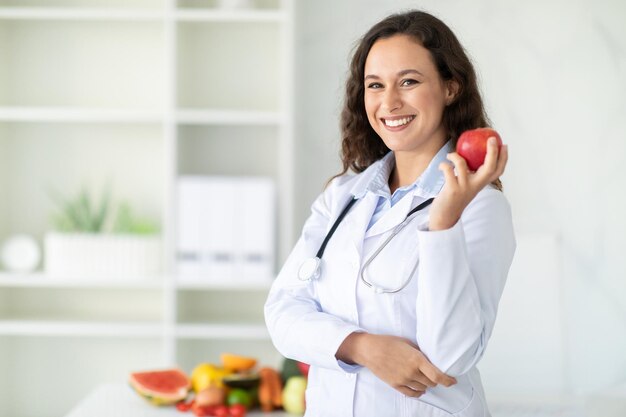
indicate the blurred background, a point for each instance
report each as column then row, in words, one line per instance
column 126, row 124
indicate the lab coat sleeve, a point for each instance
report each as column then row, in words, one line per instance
column 297, row 325
column 461, row 277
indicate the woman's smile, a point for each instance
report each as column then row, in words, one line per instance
column 397, row 123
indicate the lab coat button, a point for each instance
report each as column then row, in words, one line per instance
column 349, row 376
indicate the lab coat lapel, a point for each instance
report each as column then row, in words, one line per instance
column 394, row 216
column 359, row 221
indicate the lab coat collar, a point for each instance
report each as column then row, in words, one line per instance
column 375, row 178
column 426, row 186
column 431, row 181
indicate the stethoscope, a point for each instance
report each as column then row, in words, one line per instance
column 310, row 269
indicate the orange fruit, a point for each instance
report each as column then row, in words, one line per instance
column 237, row 363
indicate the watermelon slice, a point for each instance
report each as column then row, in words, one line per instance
column 161, row 387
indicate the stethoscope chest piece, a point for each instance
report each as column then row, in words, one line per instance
column 310, row 269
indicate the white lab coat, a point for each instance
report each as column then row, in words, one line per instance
column 448, row 309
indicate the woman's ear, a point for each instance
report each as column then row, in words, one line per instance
column 452, row 91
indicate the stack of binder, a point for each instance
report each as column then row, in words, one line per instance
column 226, row 228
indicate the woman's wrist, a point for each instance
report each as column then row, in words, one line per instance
column 352, row 351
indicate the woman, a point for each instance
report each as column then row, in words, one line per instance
column 396, row 318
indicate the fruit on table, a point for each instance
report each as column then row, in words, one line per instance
column 289, row 369
column 237, row 363
column 237, row 410
column 203, row 410
column 206, row 375
column 246, row 380
column 293, row 395
column 270, row 389
column 239, row 396
column 472, row 145
column 304, row 368
column 184, row 406
column 211, row 395
column 161, row 387
column 221, row 411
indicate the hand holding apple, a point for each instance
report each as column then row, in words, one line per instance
column 472, row 145
column 461, row 188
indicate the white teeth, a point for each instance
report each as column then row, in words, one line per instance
column 398, row 122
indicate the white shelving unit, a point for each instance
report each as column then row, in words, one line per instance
column 135, row 93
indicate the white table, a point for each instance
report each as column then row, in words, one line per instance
column 119, row 400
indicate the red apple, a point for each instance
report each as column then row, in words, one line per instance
column 472, row 145
column 304, row 368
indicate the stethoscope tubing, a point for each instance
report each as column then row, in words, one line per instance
column 377, row 289
column 310, row 268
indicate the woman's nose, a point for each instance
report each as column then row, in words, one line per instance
column 391, row 100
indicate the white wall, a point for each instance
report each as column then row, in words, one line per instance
column 3, row 177
column 554, row 77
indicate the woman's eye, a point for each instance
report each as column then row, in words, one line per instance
column 409, row 82
column 375, row 85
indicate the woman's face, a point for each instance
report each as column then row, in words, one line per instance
column 405, row 96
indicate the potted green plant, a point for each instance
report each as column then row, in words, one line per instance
column 90, row 239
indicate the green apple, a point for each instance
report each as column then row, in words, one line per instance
column 293, row 395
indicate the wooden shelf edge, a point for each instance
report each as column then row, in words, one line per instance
column 77, row 114
column 230, row 331
column 41, row 280
column 68, row 13
column 217, row 15
column 80, row 328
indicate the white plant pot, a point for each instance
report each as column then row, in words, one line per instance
column 85, row 255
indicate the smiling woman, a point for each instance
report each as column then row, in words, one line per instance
column 407, row 291
column 405, row 107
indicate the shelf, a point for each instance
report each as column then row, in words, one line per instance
column 198, row 15
column 183, row 117
column 59, row 13
column 206, row 284
column 228, row 117
column 219, row 67
column 76, row 114
column 186, row 15
column 134, row 93
column 230, row 331
column 41, row 280
column 80, row 328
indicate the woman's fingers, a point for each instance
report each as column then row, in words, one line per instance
column 460, row 164
column 416, row 386
column 448, row 173
column 493, row 167
column 436, row 376
column 502, row 160
column 433, row 373
column 488, row 168
column 410, row 392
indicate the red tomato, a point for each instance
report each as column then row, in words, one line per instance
column 183, row 406
column 203, row 410
column 220, row 411
column 237, row 410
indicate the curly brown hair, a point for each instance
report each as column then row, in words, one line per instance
column 360, row 144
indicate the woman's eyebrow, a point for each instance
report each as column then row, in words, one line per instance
column 400, row 73
column 409, row 71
